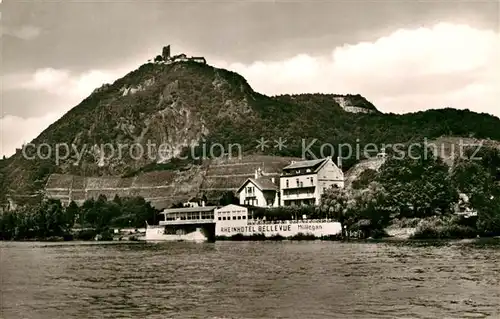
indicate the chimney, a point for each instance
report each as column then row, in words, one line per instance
column 339, row 162
column 258, row 173
column 202, row 203
column 273, row 180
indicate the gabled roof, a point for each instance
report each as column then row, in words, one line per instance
column 263, row 183
column 305, row 164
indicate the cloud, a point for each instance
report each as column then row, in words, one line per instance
column 14, row 130
column 26, row 32
column 66, row 89
column 447, row 65
column 61, row 82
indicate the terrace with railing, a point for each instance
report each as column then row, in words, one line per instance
column 292, row 221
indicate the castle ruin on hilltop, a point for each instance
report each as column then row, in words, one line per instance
column 166, row 58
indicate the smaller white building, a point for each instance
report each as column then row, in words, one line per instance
column 238, row 215
column 261, row 191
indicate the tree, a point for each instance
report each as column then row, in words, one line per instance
column 364, row 179
column 477, row 179
column 373, row 213
column 419, row 186
column 71, row 214
column 228, row 198
column 337, row 203
column 177, row 205
column 488, row 221
column 117, row 200
column 88, row 213
column 138, row 211
column 49, row 219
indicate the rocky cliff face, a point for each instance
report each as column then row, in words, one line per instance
column 172, row 106
column 346, row 103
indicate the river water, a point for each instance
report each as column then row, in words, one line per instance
column 249, row 280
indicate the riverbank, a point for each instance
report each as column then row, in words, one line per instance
column 430, row 228
column 398, row 241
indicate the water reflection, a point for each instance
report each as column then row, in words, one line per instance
column 250, row 280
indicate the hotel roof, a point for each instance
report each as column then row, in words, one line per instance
column 262, row 183
column 188, row 209
column 305, row 164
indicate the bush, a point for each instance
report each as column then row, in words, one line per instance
column 444, row 227
column 301, row 236
column 406, row 222
column 378, row 233
column 86, row 234
column 332, row 237
column 276, row 237
column 106, row 235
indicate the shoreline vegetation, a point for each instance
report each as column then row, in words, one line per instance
column 94, row 220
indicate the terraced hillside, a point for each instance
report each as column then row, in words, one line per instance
column 163, row 188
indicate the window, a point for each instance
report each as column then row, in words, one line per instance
column 287, row 186
column 224, row 218
column 234, row 217
column 298, row 182
column 220, row 218
column 312, row 180
column 301, row 184
column 244, row 217
column 239, row 217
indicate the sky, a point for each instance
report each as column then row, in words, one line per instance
column 402, row 55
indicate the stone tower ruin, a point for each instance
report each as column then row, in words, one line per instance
column 166, row 53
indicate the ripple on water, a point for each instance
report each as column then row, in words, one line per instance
column 250, row 280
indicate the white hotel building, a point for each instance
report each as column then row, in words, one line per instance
column 303, row 183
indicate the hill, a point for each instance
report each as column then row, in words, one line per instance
column 176, row 106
